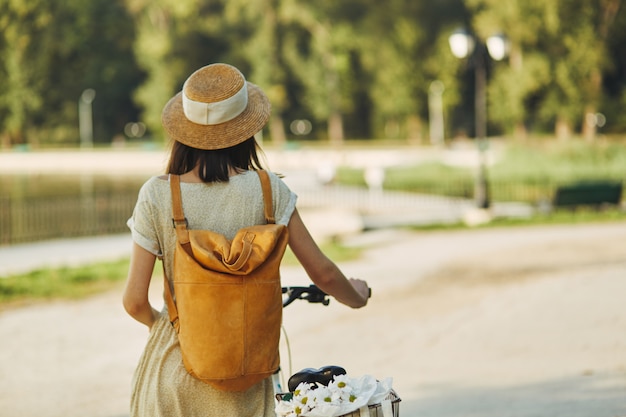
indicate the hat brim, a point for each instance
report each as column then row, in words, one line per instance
column 219, row 136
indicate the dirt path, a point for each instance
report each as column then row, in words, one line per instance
column 502, row 322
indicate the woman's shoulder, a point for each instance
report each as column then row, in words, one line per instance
column 252, row 176
column 155, row 181
column 276, row 180
column 154, row 186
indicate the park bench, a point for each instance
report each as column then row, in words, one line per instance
column 595, row 194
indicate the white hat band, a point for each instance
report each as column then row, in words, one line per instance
column 218, row 112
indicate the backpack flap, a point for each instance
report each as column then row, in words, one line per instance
column 249, row 249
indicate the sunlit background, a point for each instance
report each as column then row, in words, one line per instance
column 466, row 157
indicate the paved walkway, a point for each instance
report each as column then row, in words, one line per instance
column 515, row 322
column 62, row 252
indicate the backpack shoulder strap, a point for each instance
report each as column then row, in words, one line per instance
column 266, row 186
column 182, row 235
column 178, row 217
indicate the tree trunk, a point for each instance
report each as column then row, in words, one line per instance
column 414, row 129
column 519, row 131
column 590, row 125
column 277, row 131
column 562, row 129
column 610, row 8
column 516, row 61
column 335, row 128
column 5, row 141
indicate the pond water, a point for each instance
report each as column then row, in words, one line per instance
column 33, row 186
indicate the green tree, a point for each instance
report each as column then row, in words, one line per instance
column 405, row 48
column 597, row 25
column 51, row 52
column 557, row 59
column 398, row 77
column 579, row 59
column 153, row 49
column 614, row 85
column 357, row 68
column 524, row 24
column 174, row 38
column 24, row 60
column 261, row 29
column 321, row 51
column 94, row 49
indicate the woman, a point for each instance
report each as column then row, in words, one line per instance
column 212, row 123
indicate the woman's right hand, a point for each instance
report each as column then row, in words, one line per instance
column 361, row 287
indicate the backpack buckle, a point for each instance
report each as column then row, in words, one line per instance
column 176, row 223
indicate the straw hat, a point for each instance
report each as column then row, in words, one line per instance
column 216, row 109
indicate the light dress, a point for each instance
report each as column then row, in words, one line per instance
column 161, row 387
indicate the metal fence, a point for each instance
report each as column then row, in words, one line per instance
column 39, row 218
column 34, row 219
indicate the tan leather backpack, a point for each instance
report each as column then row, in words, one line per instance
column 227, row 303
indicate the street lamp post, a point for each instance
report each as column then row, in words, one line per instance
column 465, row 45
column 435, row 112
column 85, row 118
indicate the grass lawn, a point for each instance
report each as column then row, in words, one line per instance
column 62, row 283
column 525, row 173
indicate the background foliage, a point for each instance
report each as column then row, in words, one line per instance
column 355, row 68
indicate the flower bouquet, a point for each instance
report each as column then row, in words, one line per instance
column 343, row 396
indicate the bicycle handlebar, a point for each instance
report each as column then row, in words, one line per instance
column 312, row 294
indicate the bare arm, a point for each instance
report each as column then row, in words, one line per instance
column 323, row 272
column 135, row 299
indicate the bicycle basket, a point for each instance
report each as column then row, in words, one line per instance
column 378, row 410
column 389, row 408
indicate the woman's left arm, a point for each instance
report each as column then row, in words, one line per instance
column 136, row 300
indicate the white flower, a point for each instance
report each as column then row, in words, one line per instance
column 341, row 385
column 286, row 409
column 299, row 403
column 343, row 395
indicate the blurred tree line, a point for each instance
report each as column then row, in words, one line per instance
column 353, row 68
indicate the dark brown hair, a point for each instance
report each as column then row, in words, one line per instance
column 214, row 164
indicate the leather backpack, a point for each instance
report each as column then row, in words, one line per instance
column 227, row 302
